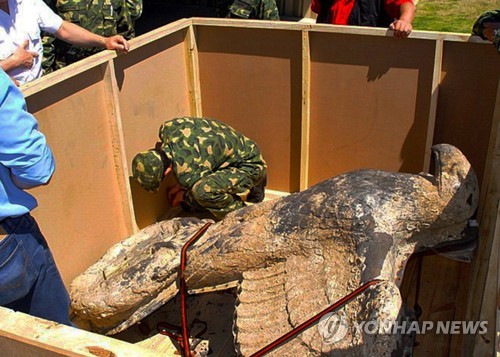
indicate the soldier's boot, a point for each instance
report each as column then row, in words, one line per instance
column 258, row 192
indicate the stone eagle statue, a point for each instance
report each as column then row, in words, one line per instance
column 293, row 257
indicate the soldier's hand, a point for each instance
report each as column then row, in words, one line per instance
column 175, row 195
column 117, row 42
column 22, row 57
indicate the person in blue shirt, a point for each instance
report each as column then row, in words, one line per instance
column 29, row 279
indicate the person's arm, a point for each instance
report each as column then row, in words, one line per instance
column 20, row 58
column 26, row 186
column 402, row 26
column 79, row 36
column 23, row 149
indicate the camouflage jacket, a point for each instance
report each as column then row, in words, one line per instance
column 485, row 17
column 249, row 9
column 103, row 17
column 198, row 147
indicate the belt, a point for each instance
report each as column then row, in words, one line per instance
column 8, row 220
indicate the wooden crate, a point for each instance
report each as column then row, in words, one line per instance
column 319, row 100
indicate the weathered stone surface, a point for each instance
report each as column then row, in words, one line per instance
column 295, row 256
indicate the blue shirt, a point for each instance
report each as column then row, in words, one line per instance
column 24, row 153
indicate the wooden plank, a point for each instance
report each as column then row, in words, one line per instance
column 306, row 103
column 436, row 79
column 237, row 23
column 118, row 146
column 193, row 73
column 485, row 344
column 159, row 33
column 354, row 30
column 261, row 24
column 25, row 335
column 61, row 75
column 14, row 346
column 464, row 271
column 492, row 156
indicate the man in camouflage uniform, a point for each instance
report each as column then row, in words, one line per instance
column 103, row 17
column 248, row 9
column 211, row 161
column 488, row 27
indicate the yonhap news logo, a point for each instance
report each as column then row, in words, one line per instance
column 333, row 327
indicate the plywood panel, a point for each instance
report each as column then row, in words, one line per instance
column 467, row 99
column 465, row 110
column 153, row 87
column 80, row 210
column 251, row 79
column 370, row 100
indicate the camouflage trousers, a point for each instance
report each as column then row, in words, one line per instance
column 219, row 192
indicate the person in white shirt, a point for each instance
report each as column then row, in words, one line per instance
column 21, row 47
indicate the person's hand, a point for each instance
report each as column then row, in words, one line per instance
column 22, row 57
column 401, row 28
column 175, row 195
column 14, row 81
column 117, row 42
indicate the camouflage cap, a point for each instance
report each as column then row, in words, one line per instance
column 479, row 26
column 148, row 170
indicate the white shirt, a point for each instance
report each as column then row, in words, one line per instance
column 26, row 19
